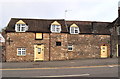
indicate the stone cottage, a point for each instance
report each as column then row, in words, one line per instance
column 55, row 39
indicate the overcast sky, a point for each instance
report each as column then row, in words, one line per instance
column 83, row 10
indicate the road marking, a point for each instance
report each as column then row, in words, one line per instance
column 110, row 66
column 60, row 67
column 63, row 76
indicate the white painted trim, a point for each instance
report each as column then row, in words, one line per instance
column 21, row 53
column 74, row 28
column 71, row 47
column 25, row 28
column 55, row 28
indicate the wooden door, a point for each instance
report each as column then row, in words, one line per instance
column 104, row 53
column 38, row 52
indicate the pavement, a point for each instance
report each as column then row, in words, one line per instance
column 67, row 63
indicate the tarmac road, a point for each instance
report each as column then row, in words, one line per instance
column 83, row 71
column 71, row 69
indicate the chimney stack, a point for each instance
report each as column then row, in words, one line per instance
column 119, row 9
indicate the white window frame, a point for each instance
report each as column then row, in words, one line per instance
column 21, row 51
column 70, row 46
column 56, row 28
column 74, row 29
column 19, row 27
column 118, row 30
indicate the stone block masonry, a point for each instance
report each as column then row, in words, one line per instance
column 84, row 46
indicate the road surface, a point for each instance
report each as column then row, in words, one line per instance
column 58, row 72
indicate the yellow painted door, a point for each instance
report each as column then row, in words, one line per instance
column 38, row 52
column 104, row 52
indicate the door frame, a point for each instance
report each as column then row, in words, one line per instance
column 106, row 51
column 35, row 52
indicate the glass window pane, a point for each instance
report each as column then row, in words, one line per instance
column 18, row 28
column 18, row 24
column 39, row 50
column 70, row 47
column 19, row 48
column 53, row 27
column 57, row 29
column 76, row 31
column 22, row 28
column 58, row 43
column 72, row 29
column 21, row 51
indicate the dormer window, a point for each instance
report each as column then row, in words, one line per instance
column 20, row 26
column 74, row 29
column 55, row 27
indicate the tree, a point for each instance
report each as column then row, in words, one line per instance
column 3, row 30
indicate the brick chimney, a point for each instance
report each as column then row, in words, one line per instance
column 119, row 9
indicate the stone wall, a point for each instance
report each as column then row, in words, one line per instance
column 84, row 46
column 114, row 41
column 28, row 41
column 87, row 46
column 58, row 52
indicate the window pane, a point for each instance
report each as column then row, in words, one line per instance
column 53, row 27
column 57, row 29
column 23, row 49
column 19, row 49
column 70, row 47
column 76, row 31
column 58, row 43
column 23, row 52
column 18, row 24
column 18, row 28
column 19, row 52
column 39, row 50
column 72, row 29
column 22, row 28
